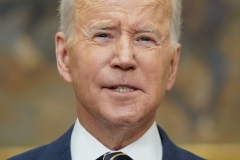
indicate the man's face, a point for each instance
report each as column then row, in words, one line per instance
column 121, row 60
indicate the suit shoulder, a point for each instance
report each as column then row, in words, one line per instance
column 186, row 155
column 58, row 149
column 29, row 155
column 172, row 151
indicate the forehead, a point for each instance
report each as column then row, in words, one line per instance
column 124, row 3
column 161, row 7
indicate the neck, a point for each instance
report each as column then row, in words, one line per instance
column 114, row 137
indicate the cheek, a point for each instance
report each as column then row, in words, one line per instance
column 156, row 66
column 88, row 64
column 156, row 69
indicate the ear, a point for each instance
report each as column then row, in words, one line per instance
column 173, row 67
column 62, row 55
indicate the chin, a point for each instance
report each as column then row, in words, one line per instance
column 125, row 120
column 127, row 115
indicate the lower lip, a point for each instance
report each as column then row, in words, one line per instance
column 122, row 93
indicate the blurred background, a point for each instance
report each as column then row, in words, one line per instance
column 37, row 106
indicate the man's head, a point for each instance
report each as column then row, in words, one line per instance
column 66, row 10
column 121, row 59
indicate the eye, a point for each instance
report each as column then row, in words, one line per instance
column 103, row 38
column 145, row 39
column 102, row 35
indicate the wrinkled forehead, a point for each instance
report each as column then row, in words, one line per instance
column 165, row 6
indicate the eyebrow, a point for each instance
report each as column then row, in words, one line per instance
column 102, row 26
column 111, row 26
column 149, row 30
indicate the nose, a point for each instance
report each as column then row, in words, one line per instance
column 124, row 56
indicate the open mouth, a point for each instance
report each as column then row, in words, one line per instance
column 122, row 89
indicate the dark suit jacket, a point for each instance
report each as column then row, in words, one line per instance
column 60, row 150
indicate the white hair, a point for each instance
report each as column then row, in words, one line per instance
column 176, row 22
column 67, row 19
column 66, row 11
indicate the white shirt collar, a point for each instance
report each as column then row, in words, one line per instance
column 85, row 146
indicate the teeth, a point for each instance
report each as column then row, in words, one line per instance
column 123, row 89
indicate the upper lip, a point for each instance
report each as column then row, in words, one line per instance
column 121, row 85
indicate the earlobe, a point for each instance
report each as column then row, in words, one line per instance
column 62, row 54
column 173, row 68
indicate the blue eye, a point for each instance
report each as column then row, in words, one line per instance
column 103, row 38
column 145, row 39
column 102, row 35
